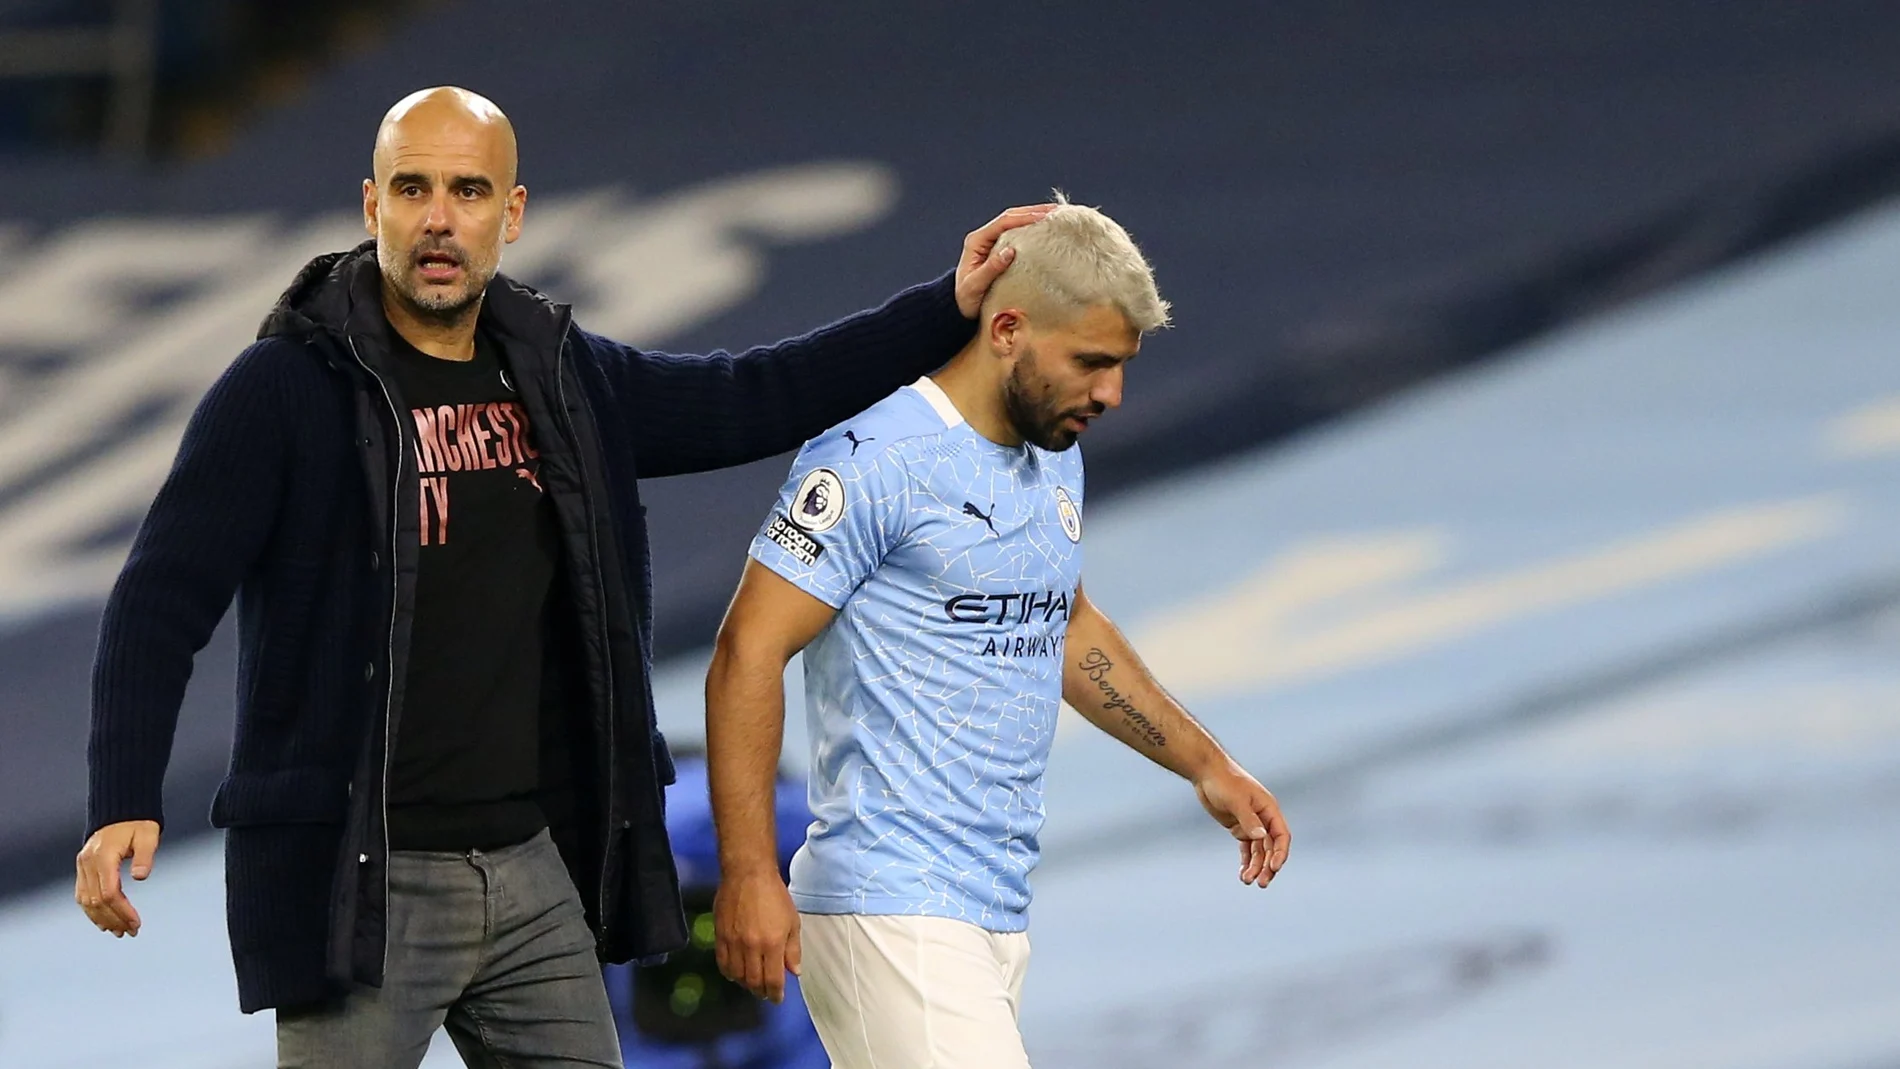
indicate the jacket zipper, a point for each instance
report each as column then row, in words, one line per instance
column 600, row 592
column 395, row 592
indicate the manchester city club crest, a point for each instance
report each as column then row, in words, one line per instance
column 819, row 503
column 1070, row 516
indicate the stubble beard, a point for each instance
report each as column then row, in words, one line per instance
column 430, row 303
column 1031, row 412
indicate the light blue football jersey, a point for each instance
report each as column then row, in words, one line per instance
column 932, row 696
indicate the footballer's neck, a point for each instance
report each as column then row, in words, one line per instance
column 973, row 380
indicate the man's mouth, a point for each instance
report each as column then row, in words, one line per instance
column 1079, row 421
column 438, row 266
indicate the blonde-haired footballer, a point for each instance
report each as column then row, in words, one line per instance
column 927, row 558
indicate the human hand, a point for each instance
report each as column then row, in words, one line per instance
column 98, row 888
column 1251, row 813
column 755, row 928
column 978, row 270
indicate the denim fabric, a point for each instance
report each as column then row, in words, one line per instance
column 492, row 944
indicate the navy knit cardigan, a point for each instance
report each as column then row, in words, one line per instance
column 291, row 494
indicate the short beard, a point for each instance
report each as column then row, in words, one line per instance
column 1030, row 411
column 441, row 309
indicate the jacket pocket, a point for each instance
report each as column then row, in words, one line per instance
column 286, row 796
column 278, row 881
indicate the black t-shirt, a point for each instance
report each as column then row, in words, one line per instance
column 467, row 757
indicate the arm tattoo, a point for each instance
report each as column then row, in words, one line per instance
column 1096, row 664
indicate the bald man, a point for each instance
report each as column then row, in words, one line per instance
column 445, row 796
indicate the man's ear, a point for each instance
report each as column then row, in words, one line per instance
column 1006, row 328
column 516, row 204
column 369, row 206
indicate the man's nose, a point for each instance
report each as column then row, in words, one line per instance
column 1108, row 389
column 438, row 221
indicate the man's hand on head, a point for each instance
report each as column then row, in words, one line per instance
column 978, row 269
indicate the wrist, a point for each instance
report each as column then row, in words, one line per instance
column 743, row 869
column 1208, row 764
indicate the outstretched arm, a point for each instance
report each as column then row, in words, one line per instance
column 697, row 413
column 756, row 924
column 1107, row 683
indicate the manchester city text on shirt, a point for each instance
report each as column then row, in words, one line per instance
column 472, row 437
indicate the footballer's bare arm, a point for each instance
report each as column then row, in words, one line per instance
column 769, row 621
column 1105, row 681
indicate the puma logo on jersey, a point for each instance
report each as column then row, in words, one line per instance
column 856, row 441
column 969, row 509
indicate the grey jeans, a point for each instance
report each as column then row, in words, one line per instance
column 492, row 944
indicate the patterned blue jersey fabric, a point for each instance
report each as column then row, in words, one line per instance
column 932, row 696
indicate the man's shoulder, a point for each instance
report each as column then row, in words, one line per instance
column 894, row 431
column 592, row 346
column 280, row 362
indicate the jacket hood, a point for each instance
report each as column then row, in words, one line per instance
column 324, row 293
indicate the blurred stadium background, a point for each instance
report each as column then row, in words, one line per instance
column 1519, row 493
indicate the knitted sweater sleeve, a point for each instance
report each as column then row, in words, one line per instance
column 202, row 534
column 696, row 413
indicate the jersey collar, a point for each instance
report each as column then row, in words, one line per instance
column 939, row 401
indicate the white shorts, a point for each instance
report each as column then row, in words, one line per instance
column 913, row 992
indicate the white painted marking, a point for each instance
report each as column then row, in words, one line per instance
column 1868, row 431
column 1244, row 638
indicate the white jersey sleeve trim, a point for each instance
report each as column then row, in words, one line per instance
column 939, row 400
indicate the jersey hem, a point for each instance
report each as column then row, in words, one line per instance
column 992, row 920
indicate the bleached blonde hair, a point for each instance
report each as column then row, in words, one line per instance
column 1073, row 259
